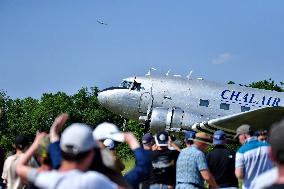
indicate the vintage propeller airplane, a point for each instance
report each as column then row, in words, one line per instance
column 174, row 103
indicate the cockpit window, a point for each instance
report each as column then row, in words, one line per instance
column 131, row 85
column 125, row 84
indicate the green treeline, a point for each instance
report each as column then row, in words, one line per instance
column 28, row 115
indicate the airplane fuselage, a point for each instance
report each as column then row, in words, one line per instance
column 202, row 100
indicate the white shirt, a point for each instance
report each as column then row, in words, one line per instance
column 266, row 179
column 9, row 172
column 73, row 179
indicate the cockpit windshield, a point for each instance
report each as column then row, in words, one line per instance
column 131, row 85
column 126, row 84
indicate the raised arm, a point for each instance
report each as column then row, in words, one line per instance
column 142, row 162
column 54, row 149
column 22, row 168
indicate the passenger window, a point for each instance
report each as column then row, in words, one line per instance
column 245, row 108
column 224, row 106
column 204, row 103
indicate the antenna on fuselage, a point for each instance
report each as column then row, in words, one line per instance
column 149, row 71
column 189, row 75
column 168, row 72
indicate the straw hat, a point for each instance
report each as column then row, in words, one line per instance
column 202, row 137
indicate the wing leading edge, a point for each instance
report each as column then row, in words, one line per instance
column 258, row 119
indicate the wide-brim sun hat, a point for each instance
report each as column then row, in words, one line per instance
column 203, row 137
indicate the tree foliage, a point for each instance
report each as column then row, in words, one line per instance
column 267, row 84
column 28, row 115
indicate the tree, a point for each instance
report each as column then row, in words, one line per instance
column 266, row 84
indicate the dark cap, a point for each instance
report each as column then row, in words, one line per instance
column 219, row 137
column 147, row 138
column 21, row 142
column 162, row 138
column 276, row 140
column 189, row 135
column 261, row 133
column 243, row 129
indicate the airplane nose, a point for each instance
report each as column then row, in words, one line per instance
column 102, row 98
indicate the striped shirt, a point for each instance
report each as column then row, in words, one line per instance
column 253, row 158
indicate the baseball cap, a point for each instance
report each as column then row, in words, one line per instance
column 162, row 138
column 108, row 130
column 21, row 142
column 77, row 138
column 202, row 137
column 219, row 137
column 147, row 138
column 243, row 129
column 189, row 135
column 109, row 143
column 276, row 140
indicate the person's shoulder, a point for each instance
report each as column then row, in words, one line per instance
column 251, row 145
column 97, row 180
column 11, row 158
column 45, row 178
column 260, row 143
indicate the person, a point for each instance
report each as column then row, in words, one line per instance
column 188, row 138
column 42, row 157
column 2, row 160
column 118, row 164
column 147, row 141
column 221, row 162
column 192, row 168
column 77, row 156
column 105, row 130
column 97, row 164
column 274, row 178
column 262, row 135
column 163, row 160
column 174, row 144
column 9, row 175
column 252, row 158
column 109, row 144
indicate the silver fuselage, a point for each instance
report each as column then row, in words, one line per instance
column 203, row 100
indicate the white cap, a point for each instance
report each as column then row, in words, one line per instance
column 109, row 143
column 108, row 130
column 77, row 138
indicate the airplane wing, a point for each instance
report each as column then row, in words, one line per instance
column 258, row 119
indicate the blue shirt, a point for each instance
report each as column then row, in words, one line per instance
column 253, row 158
column 189, row 164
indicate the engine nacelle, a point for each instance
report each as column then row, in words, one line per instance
column 166, row 119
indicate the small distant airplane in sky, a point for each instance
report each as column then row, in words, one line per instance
column 102, row 22
column 176, row 104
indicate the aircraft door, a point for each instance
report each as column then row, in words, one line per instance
column 146, row 100
column 166, row 99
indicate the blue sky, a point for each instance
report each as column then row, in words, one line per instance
column 58, row 45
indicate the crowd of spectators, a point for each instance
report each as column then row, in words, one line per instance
column 79, row 157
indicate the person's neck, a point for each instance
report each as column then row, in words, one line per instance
column 18, row 152
column 71, row 165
